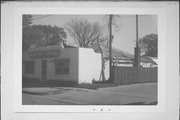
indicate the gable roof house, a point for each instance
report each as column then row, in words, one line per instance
column 122, row 58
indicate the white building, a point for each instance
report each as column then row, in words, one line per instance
column 81, row 65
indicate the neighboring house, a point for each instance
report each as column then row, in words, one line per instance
column 121, row 58
column 147, row 61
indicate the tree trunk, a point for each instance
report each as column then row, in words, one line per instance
column 102, row 59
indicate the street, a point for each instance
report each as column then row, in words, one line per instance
column 136, row 94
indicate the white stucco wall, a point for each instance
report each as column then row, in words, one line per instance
column 85, row 65
column 89, row 65
column 66, row 53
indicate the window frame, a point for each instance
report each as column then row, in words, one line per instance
column 62, row 66
column 29, row 69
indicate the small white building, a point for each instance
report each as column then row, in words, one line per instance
column 81, row 65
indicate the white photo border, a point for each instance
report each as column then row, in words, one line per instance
column 160, row 12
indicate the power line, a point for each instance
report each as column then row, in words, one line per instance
column 43, row 16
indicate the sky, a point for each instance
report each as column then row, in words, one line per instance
column 124, row 33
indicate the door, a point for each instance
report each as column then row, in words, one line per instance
column 44, row 71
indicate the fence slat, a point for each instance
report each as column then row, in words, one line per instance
column 131, row 75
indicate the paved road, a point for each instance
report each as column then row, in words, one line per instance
column 129, row 94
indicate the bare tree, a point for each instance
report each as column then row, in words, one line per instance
column 83, row 32
column 86, row 34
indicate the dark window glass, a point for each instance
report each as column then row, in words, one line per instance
column 29, row 67
column 62, row 66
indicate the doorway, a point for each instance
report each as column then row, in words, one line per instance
column 44, row 71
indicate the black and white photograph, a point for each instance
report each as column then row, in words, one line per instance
column 89, row 59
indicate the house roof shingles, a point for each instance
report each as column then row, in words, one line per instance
column 122, row 55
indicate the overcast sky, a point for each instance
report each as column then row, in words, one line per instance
column 124, row 34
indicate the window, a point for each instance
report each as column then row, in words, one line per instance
column 62, row 66
column 29, row 67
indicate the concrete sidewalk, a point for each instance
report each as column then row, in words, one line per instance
column 129, row 94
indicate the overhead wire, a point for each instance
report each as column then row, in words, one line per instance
column 43, row 16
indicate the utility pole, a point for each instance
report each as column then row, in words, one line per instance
column 137, row 49
column 110, row 47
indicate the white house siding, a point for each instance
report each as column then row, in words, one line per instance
column 89, row 65
column 146, row 65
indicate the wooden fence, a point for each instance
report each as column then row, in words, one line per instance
column 132, row 75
